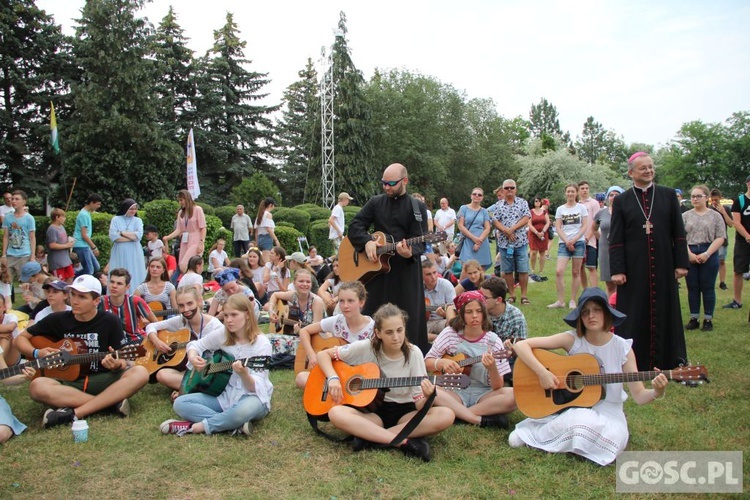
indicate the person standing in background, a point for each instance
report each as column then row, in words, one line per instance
column 242, row 227
column 84, row 247
column 337, row 221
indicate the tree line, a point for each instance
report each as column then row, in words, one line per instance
column 126, row 93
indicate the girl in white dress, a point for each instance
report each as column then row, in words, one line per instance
column 599, row 433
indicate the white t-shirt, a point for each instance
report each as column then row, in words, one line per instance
column 444, row 217
column 339, row 328
column 11, row 318
column 155, row 249
column 265, row 223
column 220, row 257
column 191, row 278
column 572, row 218
column 338, row 221
column 46, row 312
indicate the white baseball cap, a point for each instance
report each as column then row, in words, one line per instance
column 86, row 283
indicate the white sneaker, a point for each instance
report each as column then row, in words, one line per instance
column 514, row 440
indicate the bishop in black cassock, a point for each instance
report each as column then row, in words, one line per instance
column 648, row 251
column 393, row 214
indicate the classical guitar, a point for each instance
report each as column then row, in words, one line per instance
column 466, row 362
column 582, row 380
column 355, row 265
column 319, row 342
column 53, row 360
column 154, row 360
column 76, row 358
column 214, row 377
column 363, row 386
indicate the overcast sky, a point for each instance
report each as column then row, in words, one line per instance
column 641, row 68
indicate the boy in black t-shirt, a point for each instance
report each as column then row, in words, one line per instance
column 110, row 382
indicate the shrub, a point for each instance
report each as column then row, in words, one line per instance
column 207, row 209
column 251, row 191
column 316, row 212
column 162, row 214
column 288, row 238
column 319, row 238
column 214, row 230
column 104, row 244
column 299, row 218
column 100, row 221
column 42, row 223
column 226, row 213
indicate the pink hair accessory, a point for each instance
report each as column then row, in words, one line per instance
column 635, row 156
column 467, row 297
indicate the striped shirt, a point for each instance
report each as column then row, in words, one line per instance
column 132, row 310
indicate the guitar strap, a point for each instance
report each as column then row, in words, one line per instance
column 415, row 209
column 408, row 428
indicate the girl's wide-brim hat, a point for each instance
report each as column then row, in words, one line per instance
column 598, row 295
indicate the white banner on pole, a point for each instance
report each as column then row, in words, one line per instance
column 192, row 168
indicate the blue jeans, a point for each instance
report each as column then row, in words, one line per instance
column 701, row 281
column 88, row 260
column 199, row 407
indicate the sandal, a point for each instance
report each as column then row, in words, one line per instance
column 525, row 301
column 510, row 300
column 174, row 395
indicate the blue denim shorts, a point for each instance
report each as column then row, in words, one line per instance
column 578, row 253
column 722, row 253
column 265, row 242
column 516, row 263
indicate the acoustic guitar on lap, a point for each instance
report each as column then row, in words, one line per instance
column 214, row 377
column 355, row 266
column 76, row 359
column 582, row 382
column 466, row 363
column 54, row 360
column 154, row 360
column 319, row 342
column 363, row 386
column 288, row 317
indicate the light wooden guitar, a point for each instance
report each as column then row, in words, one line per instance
column 355, row 265
column 363, row 386
column 466, row 363
column 286, row 321
column 582, row 382
column 76, row 358
column 319, row 342
column 154, row 360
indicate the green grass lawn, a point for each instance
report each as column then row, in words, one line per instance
column 285, row 459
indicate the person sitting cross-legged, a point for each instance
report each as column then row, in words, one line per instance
column 111, row 381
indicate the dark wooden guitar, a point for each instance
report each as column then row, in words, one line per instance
column 288, row 317
column 154, row 360
column 160, row 312
column 319, row 342
column 431, row 308
column 363, row 386
column 355, row 265
column 214, row 377
column 76, row 358
column 54, row 360
column 466, row 363
column 582, row 379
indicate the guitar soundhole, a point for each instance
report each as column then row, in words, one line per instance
column 574, row 381
column 354, row 385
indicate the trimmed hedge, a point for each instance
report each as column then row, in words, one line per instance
column 162, row 214
column 316, row 212
column 288, row 238
column 226, row 213
column 299, row 218
column 319, row 238
column 207, row 209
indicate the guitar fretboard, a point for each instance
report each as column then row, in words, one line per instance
column 255, row 363
column 18, row 369
column 430, row 237
column 616, row 378
column 382, row 383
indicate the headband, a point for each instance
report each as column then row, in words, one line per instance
column 467, row 297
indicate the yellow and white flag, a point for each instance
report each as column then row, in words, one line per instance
column 192, row 168
column 53, row 129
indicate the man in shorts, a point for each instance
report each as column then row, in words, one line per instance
column 109, row 382
column 741, row 219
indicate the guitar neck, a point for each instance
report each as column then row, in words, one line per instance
column 90, row 357
column 223, row 366
column 383, row 383
column 165, row 312
column 618, row 378
column 14, row 370
column 470, row 361
column 391, row 247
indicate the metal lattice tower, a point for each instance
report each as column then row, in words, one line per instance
column 326, row 122
column 327, row 91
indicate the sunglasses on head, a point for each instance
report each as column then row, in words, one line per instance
column 391, row 183
column 253, row 248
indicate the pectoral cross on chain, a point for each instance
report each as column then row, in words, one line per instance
column 647, row 226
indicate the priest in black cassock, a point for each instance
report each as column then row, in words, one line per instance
column 393, row 214
column 647, row 255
